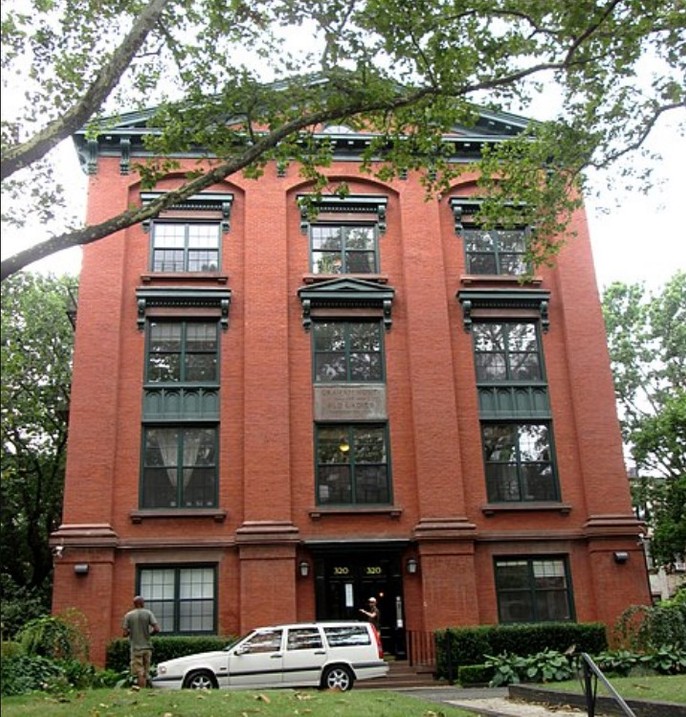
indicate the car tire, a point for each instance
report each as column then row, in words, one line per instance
column 200, row 680
column 338, row 677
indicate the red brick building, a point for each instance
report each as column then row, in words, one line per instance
column 277, row 414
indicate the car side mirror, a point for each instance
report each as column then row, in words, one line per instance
column 241, row 650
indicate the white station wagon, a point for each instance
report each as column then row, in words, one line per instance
column 329, row 655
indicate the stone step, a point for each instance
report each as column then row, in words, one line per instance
column 399, row 675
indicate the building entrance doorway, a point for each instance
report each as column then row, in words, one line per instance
column 346, row 580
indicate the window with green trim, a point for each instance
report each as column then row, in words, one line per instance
column 347, row 351
column 352, row 464
column 518, row 462
column 496, row 251
column 182, row 352
column 507, row 351
column 179, row 467
column 190, row 246
column 182, row 597
column 533, row 589
column 344, row 249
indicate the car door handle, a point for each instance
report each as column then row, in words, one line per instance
column 275, row 656
column 320, row 652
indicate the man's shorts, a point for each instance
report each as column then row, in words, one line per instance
column 140, row 662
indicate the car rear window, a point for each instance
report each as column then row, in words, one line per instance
column 306, row 638
column 347, row 636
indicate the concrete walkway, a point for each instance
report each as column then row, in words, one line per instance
column 493, row 702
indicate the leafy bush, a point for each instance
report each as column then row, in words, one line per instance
column 545, row 666
column 19, row 603
column 645, row 628
column 666, row 660
column 56, row 636
column 617, row 662
column 506, row 669
column 106, row 678
column 10, row 648
column 26, row 673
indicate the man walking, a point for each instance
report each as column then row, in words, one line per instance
column 138, row 625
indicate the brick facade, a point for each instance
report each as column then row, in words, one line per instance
column 267, row 520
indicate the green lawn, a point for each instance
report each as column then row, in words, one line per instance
column 283, row 703
column 190, row 703
column 660, row 689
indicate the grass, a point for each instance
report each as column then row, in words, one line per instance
column 224, row 703
column 659, row 688
column 124, row 702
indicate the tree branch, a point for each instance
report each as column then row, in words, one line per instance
column 87, row 235
column 24, row 154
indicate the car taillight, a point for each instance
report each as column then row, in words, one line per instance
column 379, row 646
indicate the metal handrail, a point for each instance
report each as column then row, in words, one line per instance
column 591, row 670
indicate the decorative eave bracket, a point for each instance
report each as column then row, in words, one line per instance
column 210, row 201
column 511, row 300
column 345, row 294
column 465, row 207
column 310, row 207
column 183, row 298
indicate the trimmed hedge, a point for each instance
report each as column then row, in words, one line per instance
column 458, row 646
column 472, row 675
column 163, row 648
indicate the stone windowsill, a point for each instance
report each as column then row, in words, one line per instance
column 532, row 506
column 206, row 277
column 217, row 514
column 390, row 510
column 469, row 279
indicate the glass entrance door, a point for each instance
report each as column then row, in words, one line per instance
column 345, row 582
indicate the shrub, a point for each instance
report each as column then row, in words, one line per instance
column 506, row 669
column 456, row 647
column 471, row 675
column 545, row 666
column 666, row 660
column 645, row 628
column 56, row 636
column 26, row 673
column 10, row 648
column 19, row 604
column 617, row 662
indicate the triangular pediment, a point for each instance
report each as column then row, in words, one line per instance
column 347, row 287
column 346, row 294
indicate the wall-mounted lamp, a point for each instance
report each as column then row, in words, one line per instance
column 412, row 566
column 81, row 568
column 621, row 557
column 304, row 568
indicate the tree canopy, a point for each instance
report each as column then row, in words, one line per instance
column 249, row 82
column 647, row 340
column 37, row 342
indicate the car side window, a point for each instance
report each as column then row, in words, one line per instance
column 307, row 638
column 347, row 636
column 263, row 641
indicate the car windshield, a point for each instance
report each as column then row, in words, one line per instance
column 235, row 641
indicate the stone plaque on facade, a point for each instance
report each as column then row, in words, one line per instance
column 350, row 402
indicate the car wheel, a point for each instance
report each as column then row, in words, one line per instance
column 338, row 677
column 200, row 680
